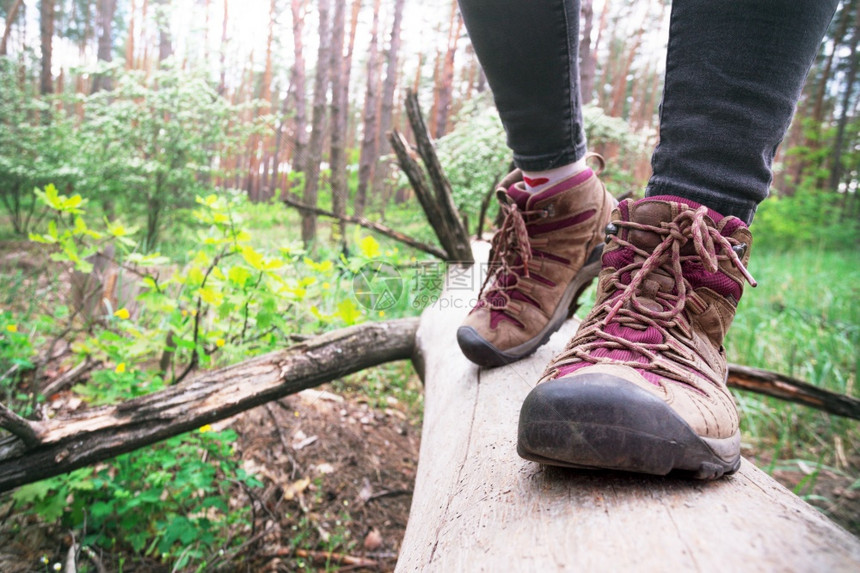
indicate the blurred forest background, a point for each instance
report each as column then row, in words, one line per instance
column 148, row 147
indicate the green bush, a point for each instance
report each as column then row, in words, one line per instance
column 166, row 502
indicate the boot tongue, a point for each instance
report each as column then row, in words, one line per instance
column 650, row 213
column 653, row 211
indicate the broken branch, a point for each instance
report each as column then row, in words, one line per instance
column 367, row 224
column 63, row 444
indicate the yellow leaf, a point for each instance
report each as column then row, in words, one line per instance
column 210, row 296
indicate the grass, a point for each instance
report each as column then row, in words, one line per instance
column 803, row 320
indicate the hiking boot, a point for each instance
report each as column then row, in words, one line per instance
column 642, row 385
column 544, row 255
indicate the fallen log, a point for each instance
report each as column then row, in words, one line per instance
column 791, row 389
column 477, row 506
column 44, row 449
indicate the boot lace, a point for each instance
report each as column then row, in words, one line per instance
column 510, row 255
column 631, row 308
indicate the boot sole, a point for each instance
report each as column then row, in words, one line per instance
column 599, row 421
column 483, row 353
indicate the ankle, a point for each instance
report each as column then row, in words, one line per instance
column 537, row 181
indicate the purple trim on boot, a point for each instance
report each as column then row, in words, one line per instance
column 519, row 196
column 562, row 186
column 556, row 225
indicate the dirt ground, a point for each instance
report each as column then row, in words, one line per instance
column 338, row 477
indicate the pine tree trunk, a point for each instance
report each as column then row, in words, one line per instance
column 370, row 139
column 46, row 28
column 11, row 15
column 588, row 62
column 222, row 84
column 105, row 11
column 445, row 86
column 850, row 80
column 129, row 44
column 315, row 147
column 165, row 44
column 619, row 89
column 297, row 89
column 388, row 87
column 339, row 103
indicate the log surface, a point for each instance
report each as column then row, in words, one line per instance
column 477, row 506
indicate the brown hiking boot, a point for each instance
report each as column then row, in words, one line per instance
column 642, row 385
column 545, row 254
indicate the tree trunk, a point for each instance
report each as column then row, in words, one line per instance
column 445, row 85
column 297, row 89
column 321, row 82
column 339, row 105
column 129, row 45
column 370, row 138
column 619, row 89
column 165, row 44
column 46, row 29
column 222, row 84
column 11, row 15
column 388, row 87
column 476, row 502
column 266, row 88
column 105, row 13
column 850, row 79
column 588, row 59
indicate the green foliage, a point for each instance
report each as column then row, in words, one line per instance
column 165, row 502
column 474, row 155
column 229, row 299
column 144, row 149
column 17, row 354
column 150, row 144
column 808, row 219
column 37, row 146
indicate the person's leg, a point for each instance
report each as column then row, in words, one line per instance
column 734, row 73
column 642, row 386
column 529, row 50
column 556, row 208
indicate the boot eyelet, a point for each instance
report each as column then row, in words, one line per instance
column 740, row 250
column 610, row 229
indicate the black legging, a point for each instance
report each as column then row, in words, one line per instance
column 734, row 73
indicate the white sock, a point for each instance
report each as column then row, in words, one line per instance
column 537, row 181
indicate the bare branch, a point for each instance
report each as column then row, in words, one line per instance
column 791, row 389
column 367, row 224
column 23, row 429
